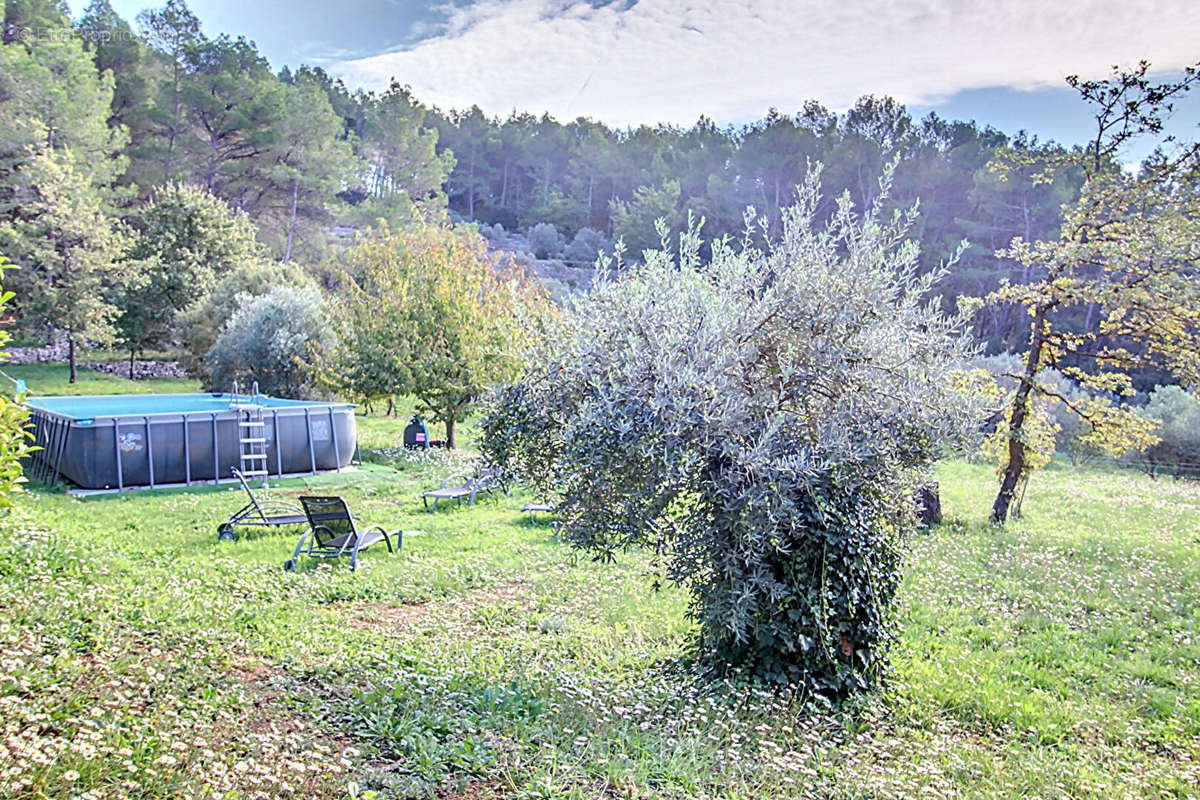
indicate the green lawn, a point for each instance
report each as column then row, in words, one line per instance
column 1059, row 657
column 54, row 379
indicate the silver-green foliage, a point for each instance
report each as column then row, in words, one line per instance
column 268, row 339
column 760, row 422
column 545, row 241
column 1177, row 452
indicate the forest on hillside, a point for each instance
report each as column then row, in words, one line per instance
column 118, row 114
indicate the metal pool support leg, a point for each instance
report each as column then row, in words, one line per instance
column 49, row 452
column 275, row 430
column 216, row 461
column 117, row 446
column 337, row 457
column 41, row 441
column 36, row 426
column 149, row 452
column 312, row 452
column 187, row 454
column 61, row 450
column 35, row 458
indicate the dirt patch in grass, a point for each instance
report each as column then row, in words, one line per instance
column 387, row 618
column 476, row 791
column 497, row 593
column 384, row 617
column 253, row 672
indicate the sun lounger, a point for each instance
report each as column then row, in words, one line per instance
column 260, row 512
column 332, row 533
column 487, row 480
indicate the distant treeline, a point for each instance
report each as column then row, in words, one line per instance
column 299, row 152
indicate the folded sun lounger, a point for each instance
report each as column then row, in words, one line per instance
column 260, row 512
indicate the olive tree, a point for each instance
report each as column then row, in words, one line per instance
column 267, row 340
column 760, row 422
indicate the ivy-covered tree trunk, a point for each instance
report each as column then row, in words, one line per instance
column 450, row 440
column 1020, row 410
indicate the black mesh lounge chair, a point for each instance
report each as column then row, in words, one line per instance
column 332, row 533
column 260, row 512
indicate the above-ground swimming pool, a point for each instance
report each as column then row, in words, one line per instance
column 126, row 441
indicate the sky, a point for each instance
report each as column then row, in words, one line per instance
column 629, row 62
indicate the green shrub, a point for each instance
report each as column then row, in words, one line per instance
column 1178, row 450
column 14, row 438
column 760, row 423
column 268, row 339
column 189, row 240
column 545, row 241
column 199, row 326
column 587, row 245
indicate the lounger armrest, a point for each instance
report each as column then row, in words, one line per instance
column 456, row 477
column 386, row 540
column 280, row 507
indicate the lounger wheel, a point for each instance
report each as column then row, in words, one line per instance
column 289, row 565
column 225, row 532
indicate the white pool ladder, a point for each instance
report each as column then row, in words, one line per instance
column 252, row 434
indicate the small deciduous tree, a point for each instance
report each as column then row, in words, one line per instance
column 71, row 249
column 425, row 312
column 1040, row 437
column 761, row 423
column 189, row 239
column 1127, row 251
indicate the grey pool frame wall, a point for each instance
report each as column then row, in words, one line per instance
column 157, row 450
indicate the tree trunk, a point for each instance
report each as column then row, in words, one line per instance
column 132, row 356
column 211, row 180
column 1090, row 319
column 391, row 409
column 450, row 443
column 174, row 128
column 71, row 356
column 1016, row 508
column 471, row 188
column 1020, row 410
column 287, row 251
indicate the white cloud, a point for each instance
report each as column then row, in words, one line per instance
column 672, row 60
